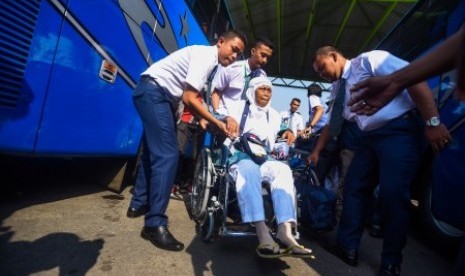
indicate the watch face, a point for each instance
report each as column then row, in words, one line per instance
column 434, row 121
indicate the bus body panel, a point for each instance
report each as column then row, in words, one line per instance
column 65, row 108
column 19, row 126
column 449, row 174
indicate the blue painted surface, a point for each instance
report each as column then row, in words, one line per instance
column 65, row 108
column 448, row 202
column 449, row 166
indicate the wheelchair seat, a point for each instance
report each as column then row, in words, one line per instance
column 213, row 202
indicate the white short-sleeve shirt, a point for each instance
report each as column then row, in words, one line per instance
column 314, row 101
column 192, row 65
column 370, row 64
column 293, row 121
column 230, row 81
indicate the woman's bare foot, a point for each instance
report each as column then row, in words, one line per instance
column 285, row 236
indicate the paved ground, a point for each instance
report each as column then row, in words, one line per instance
column 68, row 226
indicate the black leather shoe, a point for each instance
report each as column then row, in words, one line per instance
column 349, row 256
column 389, row 270
column 134, row 213
column 162, row 238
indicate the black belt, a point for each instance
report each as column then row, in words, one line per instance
column 149, row 79
column 413, row 113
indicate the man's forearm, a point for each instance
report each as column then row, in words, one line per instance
column 215, row 99
column 423, row 99
column 317, row 116
column 322, row 140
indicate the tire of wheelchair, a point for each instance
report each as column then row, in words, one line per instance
column 201, row 184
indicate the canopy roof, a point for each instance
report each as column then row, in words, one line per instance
column 299, row 27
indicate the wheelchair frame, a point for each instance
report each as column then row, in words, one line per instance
column 211, row 199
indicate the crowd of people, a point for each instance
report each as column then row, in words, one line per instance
column 376, row 136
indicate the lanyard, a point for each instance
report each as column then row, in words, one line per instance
column 247, row 78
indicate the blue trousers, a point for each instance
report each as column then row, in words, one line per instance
column 157, row 170
column 388, row 156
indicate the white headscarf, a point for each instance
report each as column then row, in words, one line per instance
column 262, row 121
column 258, row 121
column 254, row 84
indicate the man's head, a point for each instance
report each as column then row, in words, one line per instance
column 260, row 53
column 314, row 89
column 329, row 63
column 261, row 89
column 295, row 104
column 230, row 45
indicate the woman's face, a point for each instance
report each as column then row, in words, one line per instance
column 263, row 95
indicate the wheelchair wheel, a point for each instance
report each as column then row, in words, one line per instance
column 201, row 185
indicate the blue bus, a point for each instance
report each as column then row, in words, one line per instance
column 440, row 186
column 68, row 67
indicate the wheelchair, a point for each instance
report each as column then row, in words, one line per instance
column 212, row 203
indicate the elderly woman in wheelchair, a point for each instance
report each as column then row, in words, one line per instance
column 249, row 165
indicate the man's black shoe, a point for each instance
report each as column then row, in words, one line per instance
column 162, row 238
column 349, row 256
column 134, row 213
column 389, row 270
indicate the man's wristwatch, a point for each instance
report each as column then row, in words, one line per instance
column 433, row 121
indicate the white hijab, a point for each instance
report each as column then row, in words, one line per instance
column 261, row 121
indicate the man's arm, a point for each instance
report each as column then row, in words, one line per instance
column 189, row 98
column 319, row 110
column 378, row 91
column 216, row 96
column 320, row 144
column 438, row 136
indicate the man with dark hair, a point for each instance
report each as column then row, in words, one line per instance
column 230, row 83
column 390, row 146
column 180, row 75
column 292, row 119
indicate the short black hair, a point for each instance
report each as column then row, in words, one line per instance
column 233, row 33
column 314, row 89
column 326, row 50
column 295, row 99
column 265, row 41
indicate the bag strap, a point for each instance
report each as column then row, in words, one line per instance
column 244, row 117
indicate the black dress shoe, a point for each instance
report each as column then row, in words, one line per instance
column 389, row 270
column 134, row 213
column 349, row 256
column 162, row 238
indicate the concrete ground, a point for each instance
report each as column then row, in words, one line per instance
column 68, row 226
